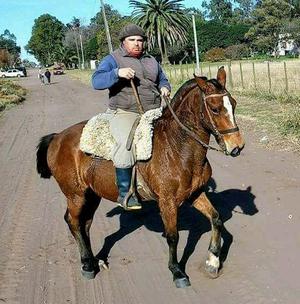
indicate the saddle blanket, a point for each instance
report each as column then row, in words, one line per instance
column 97, row 140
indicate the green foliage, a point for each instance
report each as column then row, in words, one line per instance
column 215, row 34
column 215, row 54
column 290, row 122
column 218, row 10
column 115, row 22
column 47, row 36
column 164, row 22
column 8, row 42
column 268, row 19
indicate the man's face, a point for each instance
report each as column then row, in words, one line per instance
column 133, row 44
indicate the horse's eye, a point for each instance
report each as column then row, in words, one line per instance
column 215, row 111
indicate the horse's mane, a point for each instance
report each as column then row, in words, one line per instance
column 183, row 91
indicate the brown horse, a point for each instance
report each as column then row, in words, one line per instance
column 177, row 169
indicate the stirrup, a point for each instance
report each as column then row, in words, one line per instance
column 125, row 202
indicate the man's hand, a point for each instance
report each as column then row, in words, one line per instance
column 165, row 92
column 127, row 73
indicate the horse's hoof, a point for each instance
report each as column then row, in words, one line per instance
column 213, row 272
column 88, row 274
column 182, row 282
column 102, row 264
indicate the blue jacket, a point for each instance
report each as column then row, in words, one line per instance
column 106, row 75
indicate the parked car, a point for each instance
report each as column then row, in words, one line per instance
column 58, row 71
column 23, row 69
column 12, row 73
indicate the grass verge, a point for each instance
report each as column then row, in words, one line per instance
column 10, row 94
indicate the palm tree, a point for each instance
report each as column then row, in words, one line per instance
column 164, row 21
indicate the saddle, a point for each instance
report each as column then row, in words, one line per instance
column 96, row 138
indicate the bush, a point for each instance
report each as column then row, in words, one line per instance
column 237, row 51
column 215, row 54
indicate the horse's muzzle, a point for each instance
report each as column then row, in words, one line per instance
column 236, row 151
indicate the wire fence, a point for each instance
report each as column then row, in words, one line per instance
column 275, row 77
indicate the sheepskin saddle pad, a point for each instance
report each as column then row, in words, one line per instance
column 97, row 140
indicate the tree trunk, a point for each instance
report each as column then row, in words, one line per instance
column 160, row 45
column 165, row 59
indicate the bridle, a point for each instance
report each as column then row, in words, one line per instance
column 215, row 130
column 193, row 133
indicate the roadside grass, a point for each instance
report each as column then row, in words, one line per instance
column 82, row 75
column 10, row 94
column 275, row 115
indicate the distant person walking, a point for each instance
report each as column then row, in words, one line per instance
column 41, row 76
column 48, row 76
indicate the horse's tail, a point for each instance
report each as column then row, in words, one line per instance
column 41, row 156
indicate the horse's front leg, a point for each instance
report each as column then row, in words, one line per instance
column 169, row 213
column 212, row 264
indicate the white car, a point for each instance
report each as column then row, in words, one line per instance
column 12, row 73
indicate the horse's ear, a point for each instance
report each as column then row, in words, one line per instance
column 221, row 76
column 202, row 82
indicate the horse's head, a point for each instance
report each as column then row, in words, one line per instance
column 217, row 111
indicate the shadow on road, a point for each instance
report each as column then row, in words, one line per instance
column 189, row 219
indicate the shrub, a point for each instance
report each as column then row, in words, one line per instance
column 237, row 51
column 215, row 54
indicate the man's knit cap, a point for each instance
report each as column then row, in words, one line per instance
column 131, row 30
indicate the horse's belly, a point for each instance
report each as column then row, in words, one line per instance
column 142, row 188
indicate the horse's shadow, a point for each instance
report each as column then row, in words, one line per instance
column 189, row 219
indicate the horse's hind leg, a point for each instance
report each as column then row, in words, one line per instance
column 169, row 215
column 212, row 264
column 79, row 217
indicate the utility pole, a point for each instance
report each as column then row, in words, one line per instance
column 82, row 55
column 196, row 46
column 77, row 49
column 106, row 28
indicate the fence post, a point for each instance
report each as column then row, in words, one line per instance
column 209, row 71
column 254, row 76
column 230, row 75
column 242, row 78
column 201, row 69
column 181, row 73
column 269, row 76
column 285, row 76
column 187, row 70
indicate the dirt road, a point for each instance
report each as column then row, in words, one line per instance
column 257, row 194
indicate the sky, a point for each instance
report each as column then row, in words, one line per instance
column 18, row 15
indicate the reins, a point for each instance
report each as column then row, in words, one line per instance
column 189, row 131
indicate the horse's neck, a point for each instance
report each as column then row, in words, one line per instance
column 188, row 112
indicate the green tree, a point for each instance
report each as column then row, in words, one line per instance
column 214, row 34
column 294, row 8
column 8, row 42
column 268, row 19
column 47, row 36
column 164, row 22
column 218, row 10
column 115, row 22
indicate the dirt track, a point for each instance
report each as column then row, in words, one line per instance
column 257, row 194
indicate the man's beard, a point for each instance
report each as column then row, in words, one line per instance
column 135, row 53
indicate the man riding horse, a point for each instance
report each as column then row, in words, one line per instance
column 129, row 62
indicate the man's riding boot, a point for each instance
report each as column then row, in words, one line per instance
column 123, row 183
